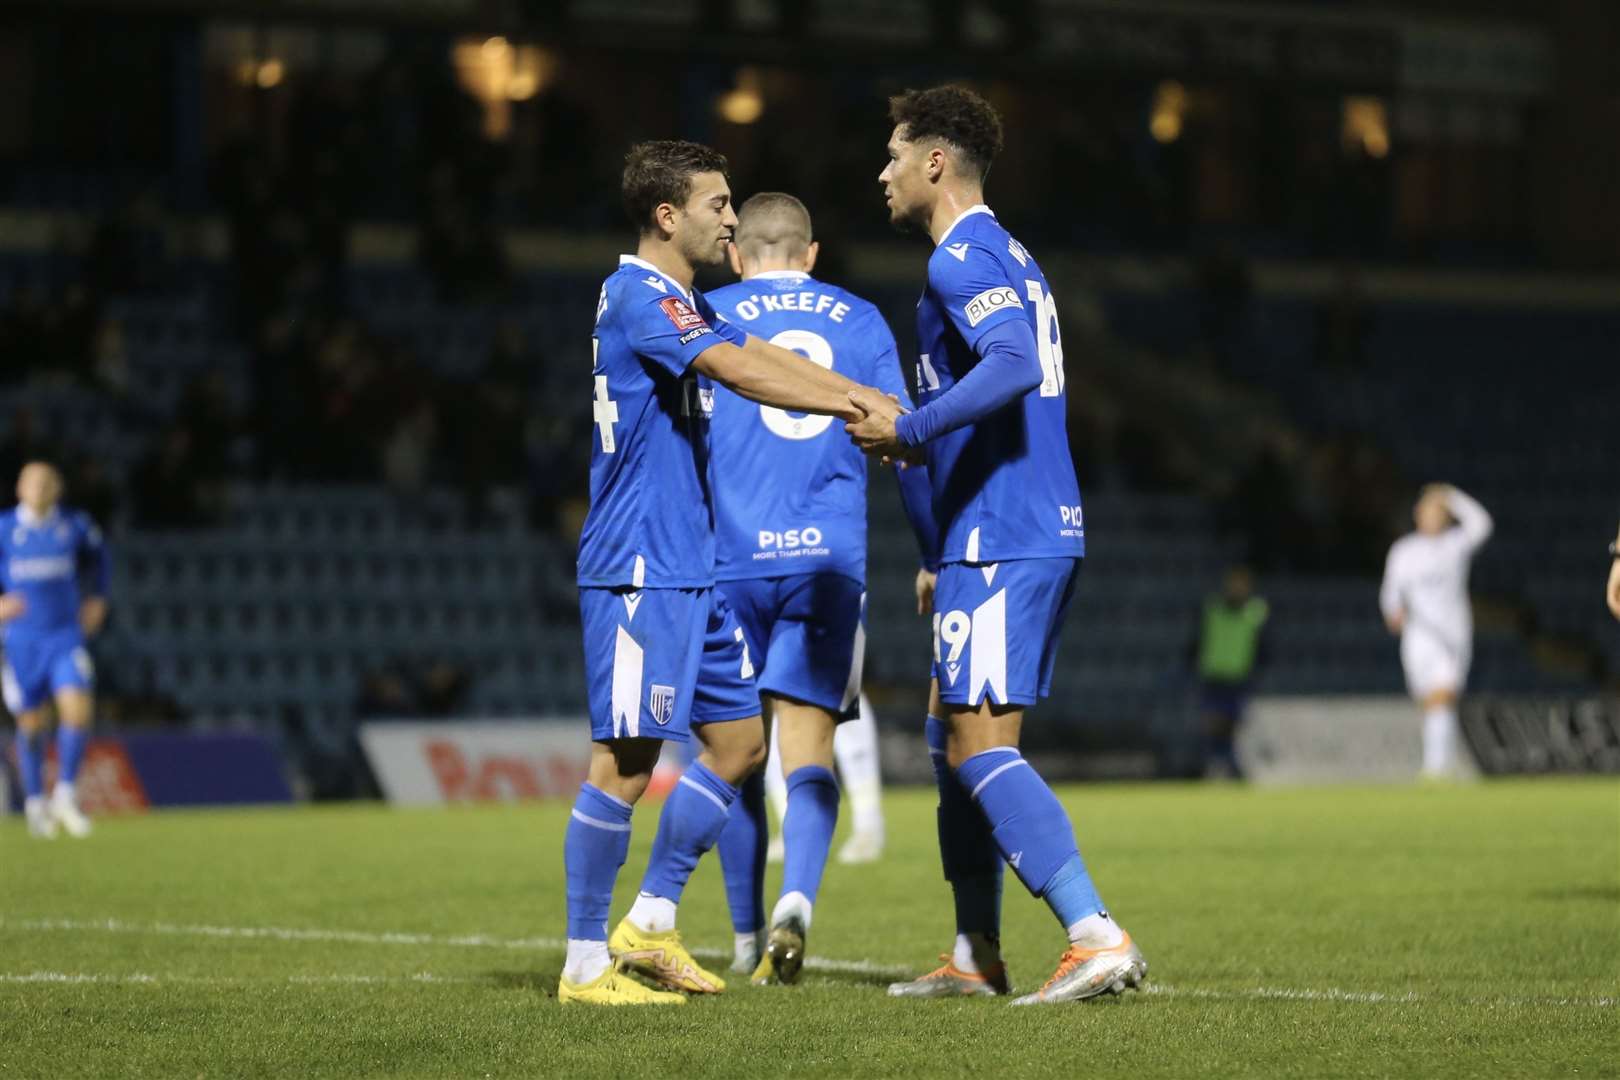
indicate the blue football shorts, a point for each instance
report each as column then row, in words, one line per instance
column 36, row 666
column 660, row 661
column 807, row 634
column 996, row 628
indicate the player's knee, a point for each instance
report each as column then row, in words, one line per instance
column 30, row 722
column 749, row 758
column 736, row 759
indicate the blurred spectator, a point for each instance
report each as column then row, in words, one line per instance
column 23, row 334
column 169, row 489
column 385, row 694
column 208, row 414
column 407, row 456
column 1226, row 293
column 1229, row 651
column 90, row 489
column 1342, row 324
column 400, row 690
column 463, row 253
column 109, row 358
column 443, row 689
column 129, row 247
column 1264, row 507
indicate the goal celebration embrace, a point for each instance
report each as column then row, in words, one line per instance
column 710, row 612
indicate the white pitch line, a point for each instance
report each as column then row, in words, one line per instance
column 144, row 979
column 367, row 937
column 542, row 944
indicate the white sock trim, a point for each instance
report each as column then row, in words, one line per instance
column 586, row 961
column 997, row 771
column 705, row 792
column 1096, row 931
column 597, row 823
column 793, row 903
column 653, row 914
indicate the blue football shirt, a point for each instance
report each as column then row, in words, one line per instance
column 790, row 488
column 1004, row 486
column 42, row 560
column 651, row 521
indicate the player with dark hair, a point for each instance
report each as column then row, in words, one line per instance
column 790, row 516
column 991, row 423
column 664, row 657
column 45, row 617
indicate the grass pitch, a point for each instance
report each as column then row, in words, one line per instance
column 1434, row 932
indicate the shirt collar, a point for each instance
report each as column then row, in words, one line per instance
column 26, row 515
column 631, row 260
column 976, row 208
column 778, row 275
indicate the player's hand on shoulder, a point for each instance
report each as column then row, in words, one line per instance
column 12, row 606
column 926, row 580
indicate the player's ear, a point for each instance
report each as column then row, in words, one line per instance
column 810, row 254
column 664, row 218
column 736, row 258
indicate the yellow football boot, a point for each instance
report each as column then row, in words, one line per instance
column 613, row 987
column 662, row 958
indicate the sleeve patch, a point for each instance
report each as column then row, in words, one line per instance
column 987, row 303
column 681, row 314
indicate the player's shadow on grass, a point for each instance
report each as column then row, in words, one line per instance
column 1608, row 894
column 853, row 978
column 543, row 980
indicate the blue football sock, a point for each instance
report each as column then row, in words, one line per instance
column 70, row 744
column 694, row 816
column 594, row 847
column 968, row 852
column 1031, row 830
column 807, row 829
column 742, row 856
column 31, row 762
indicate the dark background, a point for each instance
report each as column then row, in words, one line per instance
column 300, row 295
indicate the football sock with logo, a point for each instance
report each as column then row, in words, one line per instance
column 694, row 816
column 742, row 858
column 807, row 831
column 70, row 744
column 594, row 847
column 1032, row 831
column 972, row 864
column 31, row 762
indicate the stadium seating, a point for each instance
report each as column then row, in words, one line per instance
column 284, row 609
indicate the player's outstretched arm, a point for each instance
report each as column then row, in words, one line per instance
column 1009, row 367
column 1474, row 519
column 762, row 372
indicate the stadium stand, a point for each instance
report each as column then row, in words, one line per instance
column 285, row 595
